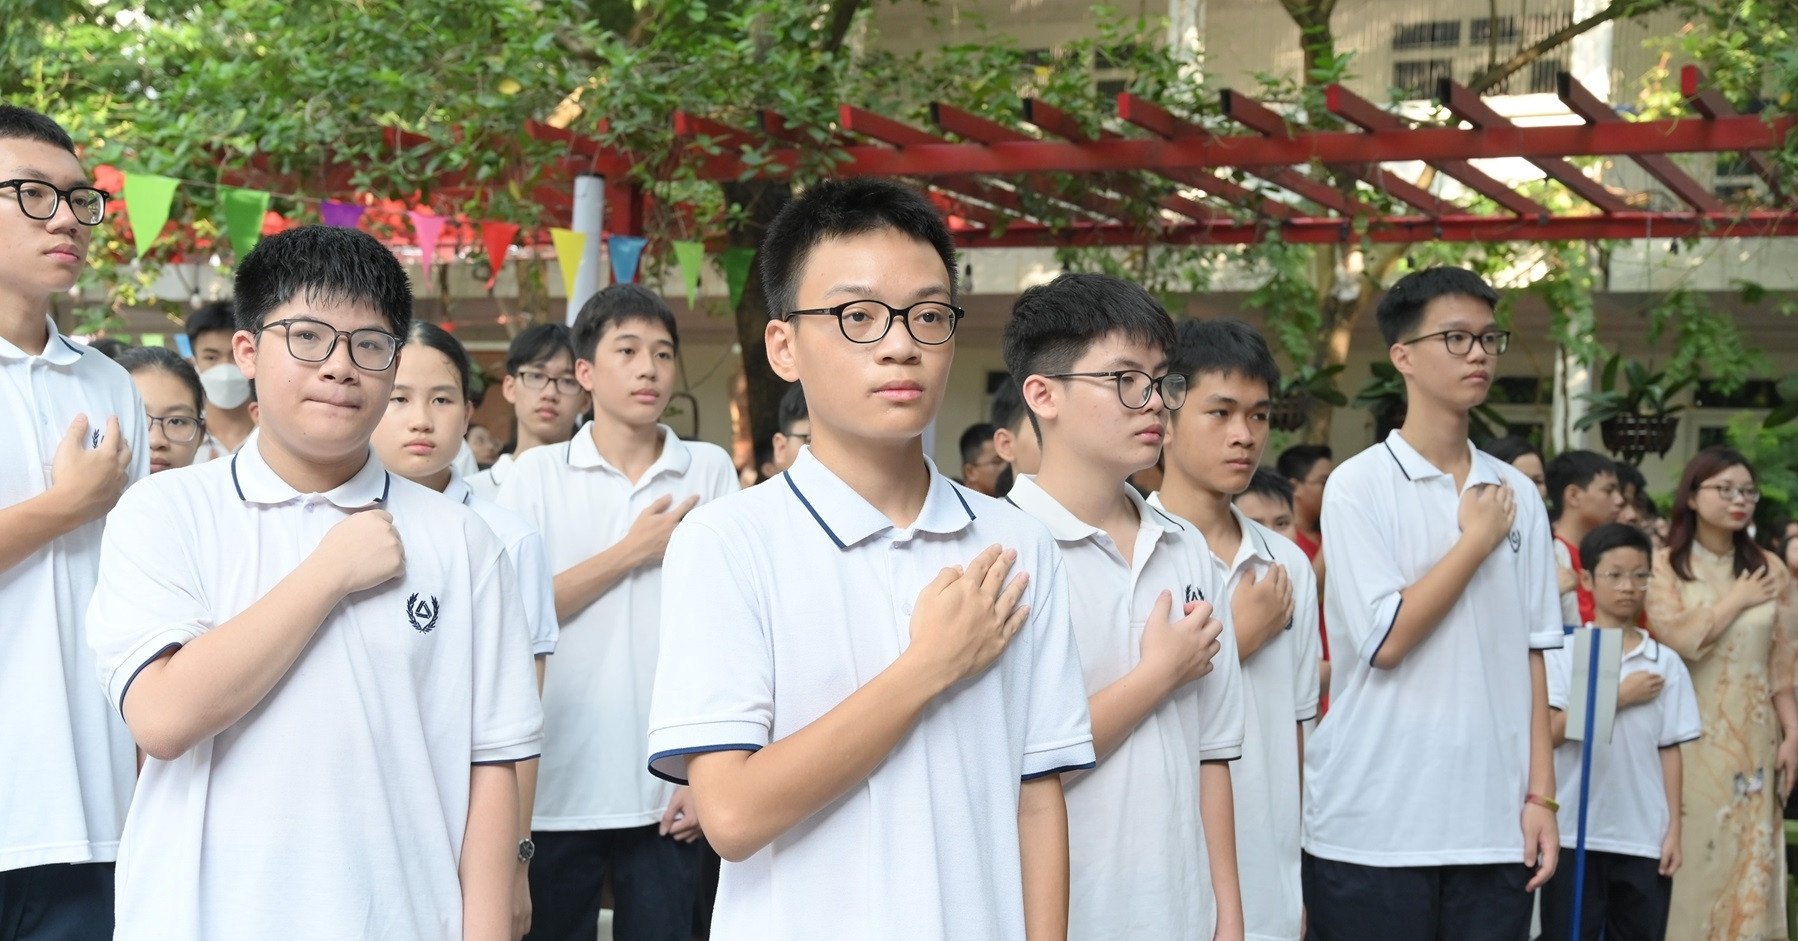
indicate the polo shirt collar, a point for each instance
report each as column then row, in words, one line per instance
column 458, row 490
column 583, row 452
column 256, row 482
column 1253, row 542
column 1649, row 649
column 58, row 349
column 1027, row 495
column 848, row 519
column 1416, row 467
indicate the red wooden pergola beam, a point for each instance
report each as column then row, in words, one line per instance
column 1409, row 229
column 1469, row 107
column 952, row 204
column 1159, row 121
column 969, row 126
column 1055, row 121
column 1368, row 116
column 689, row 125
column 1580, row 100
column 1259, row 118
column 899, row 134
column 1712, row 105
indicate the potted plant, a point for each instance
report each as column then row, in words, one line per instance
column 1307, row 384
column 1639, row 417
column 1384, row 396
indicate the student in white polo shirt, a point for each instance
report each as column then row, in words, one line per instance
column 71, row 437
column 1429, row 790
column 866, row 670
column 228, row 421
column 1632, row 824
column 1268, row 602
column 547, row 400
column 326, row 663
column 1151, row 838
column 418, row 439
column 605, row 503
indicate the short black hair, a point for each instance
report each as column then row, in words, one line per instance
column 162, row 359
column 792, row 408
column 1297, row 462
column 109, row 347
column 618, row 304
column 1509, row 448
column 1223, row 347
column 1401, row 310
column 1573, row 469
column 210, row 318
column 1271, row 484
column 835, row 209
column 425, row 333
column 1054, row 324
column 536, row 345
column 18, row 123
column 322, row 264
column 1008, row 406
column 1608, row 537
column 1629, row 475
column 975, row 437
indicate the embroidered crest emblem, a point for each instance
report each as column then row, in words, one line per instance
column 422, row 612
column 1516, row 540
column 1193, row 594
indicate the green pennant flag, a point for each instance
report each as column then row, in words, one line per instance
column 244, row 211
column 736, row 272
column 147, row 200
column 690, row 256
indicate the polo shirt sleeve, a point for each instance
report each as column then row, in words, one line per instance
column 1058, row 732
column 1558, row 664
column 537, row 588
column 1220, row 703
column 1680, row 722
column 1362, row 593
column 135, row 425
column 508, row 717
column 148, row 599
column 1308, row 644
column 523, row 494
column 1536, row 556
column 714, row 683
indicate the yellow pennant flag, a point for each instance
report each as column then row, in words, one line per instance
column 570, row 247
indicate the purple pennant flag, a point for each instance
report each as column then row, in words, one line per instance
column 341, row 215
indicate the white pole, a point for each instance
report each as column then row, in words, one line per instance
column 589, row 209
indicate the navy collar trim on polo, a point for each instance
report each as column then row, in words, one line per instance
column 1066, row 527
column 458, row 490
column 59, row 350
column 258, row 483
column 1416, row 467
column 848, row 519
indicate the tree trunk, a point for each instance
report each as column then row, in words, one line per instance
column 761, row 200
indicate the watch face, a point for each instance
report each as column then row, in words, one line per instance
column 526, row 850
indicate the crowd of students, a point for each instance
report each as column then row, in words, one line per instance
column 301, row 685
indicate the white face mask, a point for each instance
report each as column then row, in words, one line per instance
column 226, row 386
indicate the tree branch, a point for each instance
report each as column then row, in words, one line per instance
column 842, row 16
column 1536, row 50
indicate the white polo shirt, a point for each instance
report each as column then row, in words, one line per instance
column 530, row 563
column 336, row 807
column 1280, row 687
column 487, row 483
column 1628, row 812
column 1136, row 845
column 1426, row 764
column 67, row 765
column 596, row 700
column 808, row 594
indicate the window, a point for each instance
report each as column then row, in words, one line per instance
column 1545, row 76
column 1519, row 390
column 1503, row 29
column 1433, row 34
column 1418, row 79
column 1755, row 393
column 1110, row 88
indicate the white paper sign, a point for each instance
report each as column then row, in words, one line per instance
column 1607, row 646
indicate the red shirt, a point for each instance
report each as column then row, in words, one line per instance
column 1586, row 608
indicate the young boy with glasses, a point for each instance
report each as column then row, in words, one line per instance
column 328, row 665
column 1440, row 598
column 876, row 691
column 73, row 436
column 1582, row 496
column 547, row 400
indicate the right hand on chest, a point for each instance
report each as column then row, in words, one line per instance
column 964, row 618
column 364, row 550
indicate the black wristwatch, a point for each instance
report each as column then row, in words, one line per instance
column 526, row 850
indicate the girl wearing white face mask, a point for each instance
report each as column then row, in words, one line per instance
column 228, row 416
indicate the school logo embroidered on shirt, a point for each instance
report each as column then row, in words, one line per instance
column 1193, row 594
column 1516, row 540
column 422, row 612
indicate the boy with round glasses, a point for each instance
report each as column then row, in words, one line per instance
column 73, row 433
column 547, row 400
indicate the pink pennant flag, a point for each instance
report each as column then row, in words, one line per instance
column 340, row 215
column 497, row 237
column 428, row 229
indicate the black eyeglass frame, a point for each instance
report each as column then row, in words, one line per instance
column 893, row 313
column 544, row 380
column 63, row 196
column 151, row 421
column 398, row 341
column 1504, row 341
column 1155, row 384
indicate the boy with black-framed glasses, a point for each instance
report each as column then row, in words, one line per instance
column 547, row 400
column 328, row 665
column 74, row 436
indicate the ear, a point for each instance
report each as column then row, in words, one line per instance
column 1585, row 579
column 1400, row 354
column 1040, row 397
column 243, row 350
column 508, row 387
column 467, row 417
column 583, row 374
column 1004, row 446
column 782, row 356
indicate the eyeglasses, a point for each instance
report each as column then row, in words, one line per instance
column 537, row 381
column 1460, row 342
column 1614, row 579
column 181, row 429
column 39, row 199
column 1730, row 492
column 313, row 341
column 931, row 323
column 1136, row 387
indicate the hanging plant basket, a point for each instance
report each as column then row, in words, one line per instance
column 1290, row 413
column 1633, row 437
